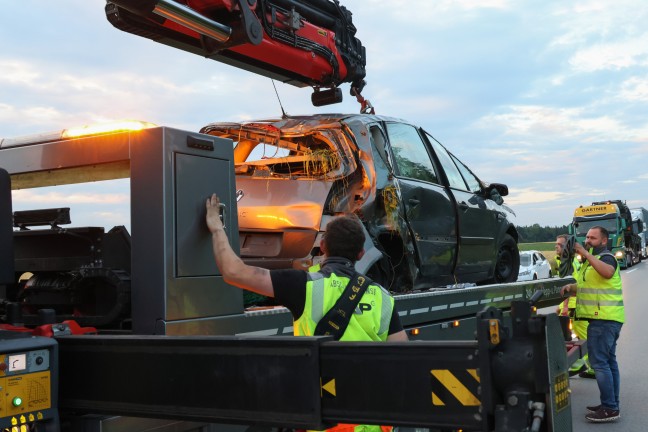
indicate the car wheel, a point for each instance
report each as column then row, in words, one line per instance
column 508, row 261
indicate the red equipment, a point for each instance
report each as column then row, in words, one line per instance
column 303, row 43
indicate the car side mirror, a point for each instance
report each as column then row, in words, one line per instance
column 495, row 191
column 501, row 188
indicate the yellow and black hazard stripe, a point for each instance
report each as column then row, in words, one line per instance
column 454, row 387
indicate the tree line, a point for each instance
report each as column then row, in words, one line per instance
column 536, row 233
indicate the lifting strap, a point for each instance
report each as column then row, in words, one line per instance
column 336, row 320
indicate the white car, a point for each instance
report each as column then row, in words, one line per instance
column 533, row 265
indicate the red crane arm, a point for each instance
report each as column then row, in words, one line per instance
column 303, row 43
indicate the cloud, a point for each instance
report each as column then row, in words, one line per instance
column 55, row 197
column 547, row 123
column 634, row 89
column 534, row 196
column 109, row 218
column 618, row 55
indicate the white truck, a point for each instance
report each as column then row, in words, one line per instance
column 641, row 214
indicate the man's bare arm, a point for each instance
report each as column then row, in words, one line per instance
column 398, row 337
column 605, row 270
column 233, row 269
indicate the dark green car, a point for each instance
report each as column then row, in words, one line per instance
column 430, row 221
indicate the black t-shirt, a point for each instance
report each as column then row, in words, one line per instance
column 609, row 259
column 290, row 290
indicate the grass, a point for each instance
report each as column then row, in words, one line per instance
column 540, row 246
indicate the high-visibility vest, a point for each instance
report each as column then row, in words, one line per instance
column 598, row 297
column 369, row 325
column 370, row 320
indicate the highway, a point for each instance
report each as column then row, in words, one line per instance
column 632, row 351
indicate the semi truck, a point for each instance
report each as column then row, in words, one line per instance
column 640, row 215
column 615, row 216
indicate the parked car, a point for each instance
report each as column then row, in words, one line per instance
column 429, row 220
column 533, row 265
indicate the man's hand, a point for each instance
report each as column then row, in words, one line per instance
column 233, row 269
column 567, row 289
column 214, row 222
column 580, row 249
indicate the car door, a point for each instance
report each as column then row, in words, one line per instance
column 543, row 267
column 428, row 209
column 477, row 222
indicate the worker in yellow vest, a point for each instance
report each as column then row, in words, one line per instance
column 599, row 300
column 334, row 300
column 568, row 307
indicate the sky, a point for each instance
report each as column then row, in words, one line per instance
column 548, row 97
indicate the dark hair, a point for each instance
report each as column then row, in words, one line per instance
column 604, row 232
column 344, row 237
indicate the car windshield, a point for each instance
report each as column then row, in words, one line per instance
column 525, row 260
column 583, row 226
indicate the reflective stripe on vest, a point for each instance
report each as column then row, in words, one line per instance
column 369, row 322
column 598, row 297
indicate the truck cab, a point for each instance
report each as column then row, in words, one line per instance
column 615, row 217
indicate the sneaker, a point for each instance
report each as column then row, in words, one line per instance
column 603, row 415
column 593, row 408
column 586, row 375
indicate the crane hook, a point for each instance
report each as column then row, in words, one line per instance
column 365, row 105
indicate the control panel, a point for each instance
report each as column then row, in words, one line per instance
column 27, row 383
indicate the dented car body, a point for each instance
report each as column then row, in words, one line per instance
column 430, row 222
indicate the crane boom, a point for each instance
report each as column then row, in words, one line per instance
column 302, row 43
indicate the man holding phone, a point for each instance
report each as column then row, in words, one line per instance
column 600, row 302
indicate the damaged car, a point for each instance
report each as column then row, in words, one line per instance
column 429, row 220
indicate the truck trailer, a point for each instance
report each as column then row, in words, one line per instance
column 641, row 214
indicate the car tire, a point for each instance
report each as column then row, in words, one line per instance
column 535, row 276
column 507, row 265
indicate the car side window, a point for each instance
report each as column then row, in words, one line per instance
column 452, row 172
column 473, row 183
column 410, row 153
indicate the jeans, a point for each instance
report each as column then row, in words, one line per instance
column 602, row 338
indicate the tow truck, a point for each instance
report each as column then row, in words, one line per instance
column 162, row 280
column 135, row 331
